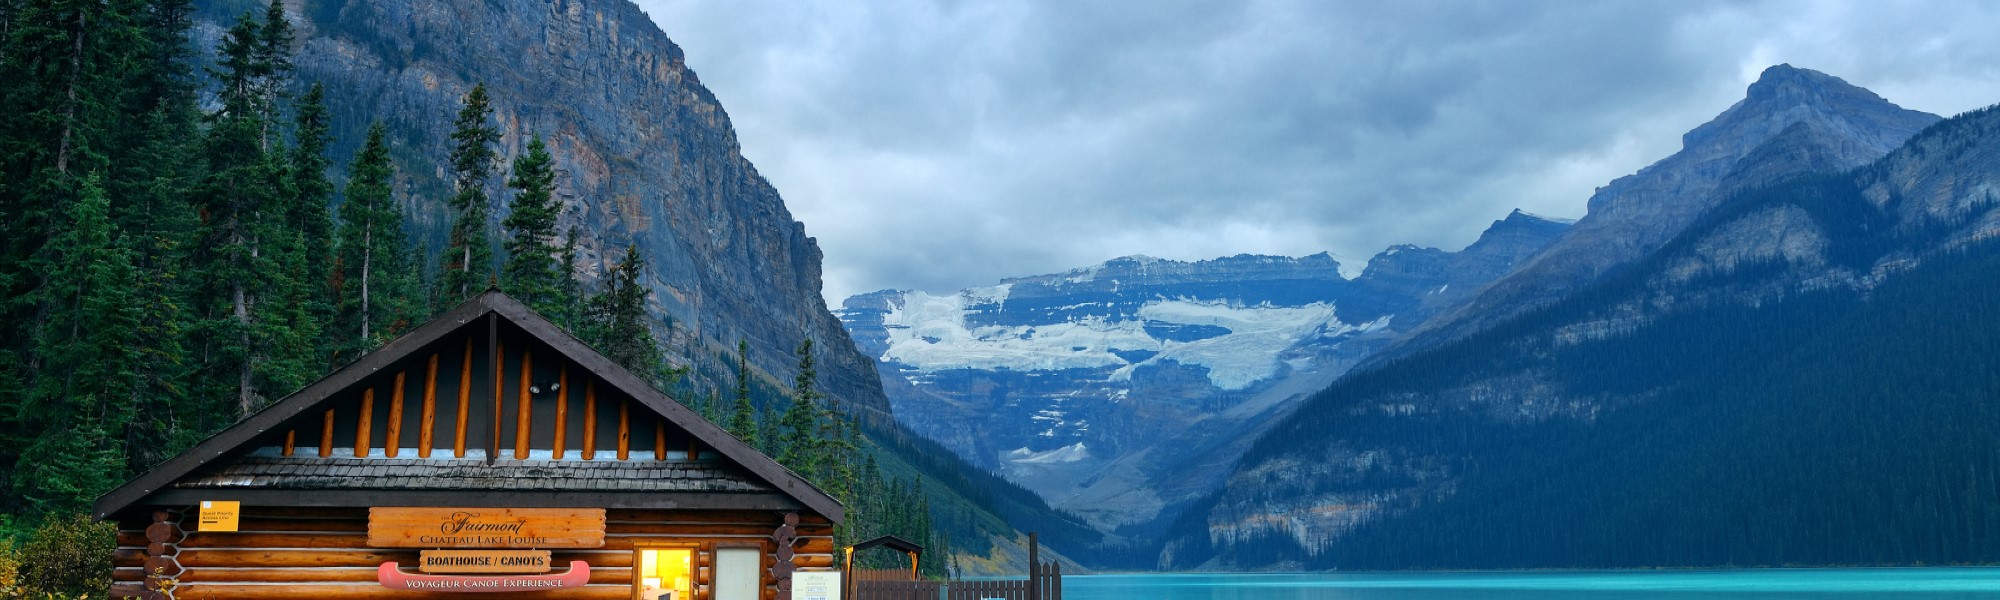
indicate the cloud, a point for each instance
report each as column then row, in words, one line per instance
column 942, row 144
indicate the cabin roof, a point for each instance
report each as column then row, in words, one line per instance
column 891, row 542
column 229, row 460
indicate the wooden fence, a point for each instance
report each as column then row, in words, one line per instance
column 1044, row 582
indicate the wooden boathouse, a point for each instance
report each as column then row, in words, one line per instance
column 484, row 451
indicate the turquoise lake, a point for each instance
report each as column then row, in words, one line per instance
column 1748, row 584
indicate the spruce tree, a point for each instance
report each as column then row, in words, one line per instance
column 619, row 328
column 799, row 444
column 78, row 403
column 742, row 416
column 531, row 273
column 372, row 282
column 309, row 215
column 468, row 255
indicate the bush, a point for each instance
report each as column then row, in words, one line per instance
column 69, row 556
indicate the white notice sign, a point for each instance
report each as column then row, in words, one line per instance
column 815, row 585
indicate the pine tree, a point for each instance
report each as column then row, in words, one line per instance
column 468, row 255
column 372, row 286
column 742, row 416
column 531, row 273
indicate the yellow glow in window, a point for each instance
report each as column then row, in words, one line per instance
column 666, row 574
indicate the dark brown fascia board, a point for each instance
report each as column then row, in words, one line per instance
column 271, row 417
column 764, row 467
column 772, row 501
column 891, row 542
column 274, row 416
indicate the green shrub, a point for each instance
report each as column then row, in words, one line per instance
column 69, row 556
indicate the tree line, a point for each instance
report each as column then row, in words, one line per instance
column 168, row 266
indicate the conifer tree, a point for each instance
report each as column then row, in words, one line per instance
column 238, row 184
column 799, row 444
column 742, row 416
column 78, row 399
column 531, row 273
column 570, row 289
column 618, row 322
column 309, row 219
column 372, row 282
column 468, row 255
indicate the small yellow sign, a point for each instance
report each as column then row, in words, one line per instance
column 219, row 515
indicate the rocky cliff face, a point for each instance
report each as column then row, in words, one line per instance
column 1791, row 122
column 645, row 156
column 1122, row 389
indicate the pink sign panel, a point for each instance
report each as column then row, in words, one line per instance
column 392, row 576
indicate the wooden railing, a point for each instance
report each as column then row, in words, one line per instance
column 1044, row 582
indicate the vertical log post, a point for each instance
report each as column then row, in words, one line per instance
column 464, row 399
column 624, row 428
column 493, row 443
column 783, row 538
column 429, row 419
column 660, row 439
column 523, row 419
column 392, row 440
column 326, row 436
column 590, row 418
column 562, row 412
column 361, row 426
column 291, row 439
column 162, row 567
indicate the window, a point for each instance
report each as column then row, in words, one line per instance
column 737, row 573
column 666, row 574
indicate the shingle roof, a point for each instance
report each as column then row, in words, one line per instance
column 301, row 472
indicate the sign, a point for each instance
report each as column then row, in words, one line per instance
column 397, row 527
column 484, row 561
column 391, row 576
column 219, row 515
column 815, row 585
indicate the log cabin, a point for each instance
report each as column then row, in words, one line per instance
column 484, row 451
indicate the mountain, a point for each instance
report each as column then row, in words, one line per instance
column 1120, row 390
column 644, row 155
column 1790, row 122
column 1799, row 376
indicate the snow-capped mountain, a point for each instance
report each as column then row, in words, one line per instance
column 1119, row 389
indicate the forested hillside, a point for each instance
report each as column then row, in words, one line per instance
column 1802, row 378
column 185, row 242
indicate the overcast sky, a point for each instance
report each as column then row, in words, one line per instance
column 939, row 144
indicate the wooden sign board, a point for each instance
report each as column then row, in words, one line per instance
column 815, row 585
column 219, row 515
column 399, row 527
column 484, row 561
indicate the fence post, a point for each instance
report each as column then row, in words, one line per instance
column 1034, row 566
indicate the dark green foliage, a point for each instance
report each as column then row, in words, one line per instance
column 531, row 273
column 617, row 323
column 87, row 374
column 743, row 416
column 308, row 217
column 377, row 297
column 468, row 255
column 68, row 556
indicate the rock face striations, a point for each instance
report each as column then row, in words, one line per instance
column 1122, row 389
column 1791, row 122
column 645, row 156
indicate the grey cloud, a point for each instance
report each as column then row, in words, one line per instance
column 940, row 144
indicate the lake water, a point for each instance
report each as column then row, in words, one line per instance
column 1747, row 584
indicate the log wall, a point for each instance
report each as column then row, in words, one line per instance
column 324, row 553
